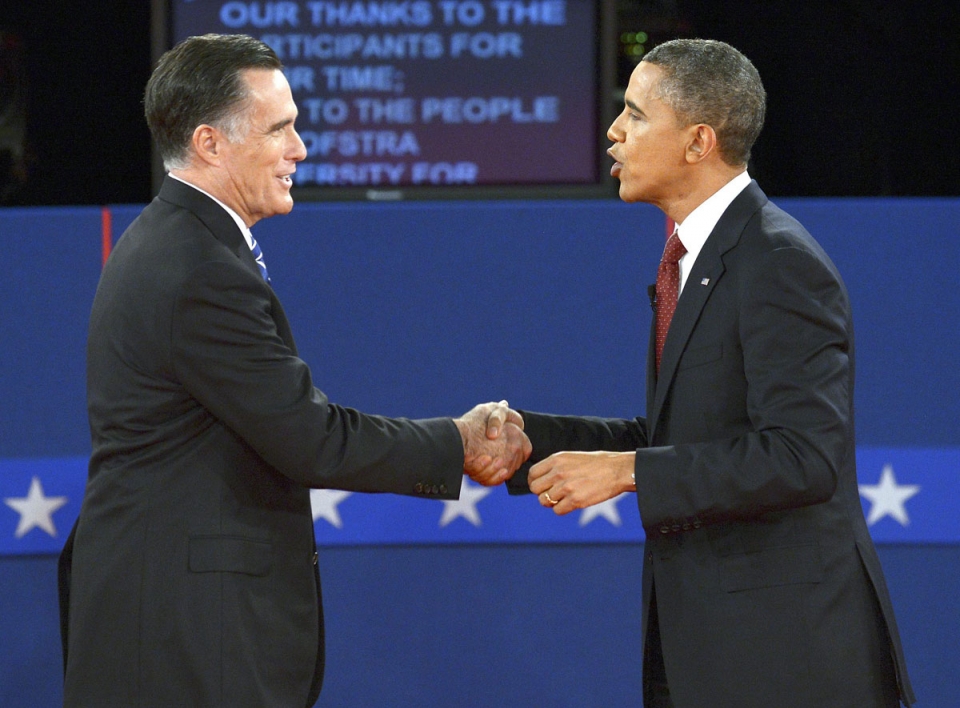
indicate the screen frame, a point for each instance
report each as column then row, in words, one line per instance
column 608, row 106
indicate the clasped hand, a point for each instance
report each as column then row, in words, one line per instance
column 494, row 444
column 494, row 447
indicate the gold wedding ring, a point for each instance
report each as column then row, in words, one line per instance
column 552, row 502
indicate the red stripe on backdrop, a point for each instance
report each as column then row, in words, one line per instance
column 106, row 235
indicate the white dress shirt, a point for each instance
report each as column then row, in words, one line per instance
column 698, row 225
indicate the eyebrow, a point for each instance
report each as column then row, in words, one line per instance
column 280, row 125
column 634, row 106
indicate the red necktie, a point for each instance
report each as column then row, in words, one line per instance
column 668, row 289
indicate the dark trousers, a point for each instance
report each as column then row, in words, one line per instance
column 656, row 692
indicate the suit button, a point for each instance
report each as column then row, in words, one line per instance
column 664, row 529
column 435, row 489
column 676, row 527
column 418, row 487
column 443, row 489
column 697, row 524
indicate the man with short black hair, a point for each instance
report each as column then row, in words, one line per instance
column 761, row 586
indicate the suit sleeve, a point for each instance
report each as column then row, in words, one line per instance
column 793, row 326
column 555, row 433
column 229, row 356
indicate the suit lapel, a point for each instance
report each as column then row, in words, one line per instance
column 225, row 230
column 703, row 278
column 696, row 291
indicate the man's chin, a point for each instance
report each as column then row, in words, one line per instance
column 626, row 195
column 285, row 206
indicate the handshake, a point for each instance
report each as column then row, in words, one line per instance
column 494, row 444
column 494, row 447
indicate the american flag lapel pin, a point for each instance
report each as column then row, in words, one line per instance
column 705, row 281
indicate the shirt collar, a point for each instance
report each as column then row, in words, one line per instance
column 697, row 227
column 244, row 229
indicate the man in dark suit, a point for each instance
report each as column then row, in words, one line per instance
column 190, row 578
column 761, row 586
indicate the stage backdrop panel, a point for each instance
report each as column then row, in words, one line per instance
column 425, row 309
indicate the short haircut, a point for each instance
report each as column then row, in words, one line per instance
column 706, row 81
column 200, row 81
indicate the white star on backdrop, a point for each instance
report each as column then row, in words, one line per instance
column 35, row 509
column 323, row 503
column 888, row 498
column 607, row 510
column 466, row 505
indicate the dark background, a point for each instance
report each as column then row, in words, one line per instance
column 862, row 93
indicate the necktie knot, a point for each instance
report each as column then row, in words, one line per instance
column 674, row 250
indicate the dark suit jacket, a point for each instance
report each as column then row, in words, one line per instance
column 191, row 577
column 769, row 591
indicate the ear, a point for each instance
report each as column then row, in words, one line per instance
column 702, row 143
column 208, row 144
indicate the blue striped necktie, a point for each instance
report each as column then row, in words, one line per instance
column 258, row 256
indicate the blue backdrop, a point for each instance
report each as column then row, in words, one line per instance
column 424, row 309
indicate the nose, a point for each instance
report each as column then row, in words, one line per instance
column 298, row 150
column 615, row 133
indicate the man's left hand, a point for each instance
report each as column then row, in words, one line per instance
column 567, row 481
